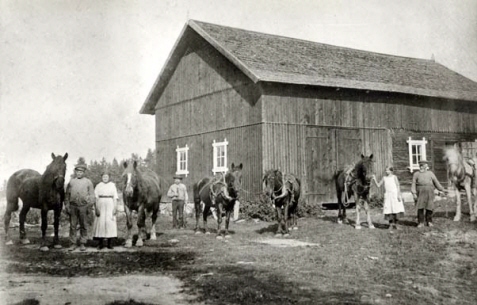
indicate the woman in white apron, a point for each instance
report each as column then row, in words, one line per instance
column 105, row 226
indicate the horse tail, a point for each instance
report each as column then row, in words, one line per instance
column 13, row 193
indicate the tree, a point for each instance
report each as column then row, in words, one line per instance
column 150, row 160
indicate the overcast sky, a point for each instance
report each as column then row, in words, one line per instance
column 74, row 74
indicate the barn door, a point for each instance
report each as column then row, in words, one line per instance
column 348, row 147
column 320, row 165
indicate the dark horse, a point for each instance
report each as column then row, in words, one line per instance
column 45, row 192
column 284, row 191
column 356, row 182
column 143, row 190
column 219, row 192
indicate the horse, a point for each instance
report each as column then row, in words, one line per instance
column 45, row 192
column 219, row 192
column 284, row 190
column 462, row 175
column 356, row 182
column 142, row 192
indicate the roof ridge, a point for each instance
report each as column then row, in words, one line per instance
column 198, row 22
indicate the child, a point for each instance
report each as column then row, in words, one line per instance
column 178, row 193
column 393, row 205
column 423, row 184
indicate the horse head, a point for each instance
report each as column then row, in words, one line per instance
column 456, row 167
column 233, row 180
column 364, row 169
column 55, row 172
column 272, row 182
column 129, row 176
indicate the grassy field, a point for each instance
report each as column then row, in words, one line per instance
column 343, row 266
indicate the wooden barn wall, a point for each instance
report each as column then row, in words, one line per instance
column 436, row 143
column 244, row 145
column 354, row 108
column 205, row 93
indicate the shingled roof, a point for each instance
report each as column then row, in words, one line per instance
column 270, row 58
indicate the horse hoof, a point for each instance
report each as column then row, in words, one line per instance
column 457, row 218
column 128, row 244
column 286, row 234
column 44, row 249
column 198, row 232
column 295, row 228
column 153, row 237
column 357, row 227
column 25, row 241
column 219, row 237
column 372, row 227
column 278, row 235
column 340, row 221
column 57, row 246
column 227, row 236
column 207, row 233
column 9, row 243
column 139, row 243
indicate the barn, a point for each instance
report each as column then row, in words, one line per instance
column 228, row 95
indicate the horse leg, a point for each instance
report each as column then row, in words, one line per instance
column 141, row 226
column 205, row 212
column 285, row 218
column 228, row 213
column 44, row 226
column 6, row 222
column 340, row 206
column 279, row 220
column 129, row 225
column 358, row 222
column 458, row 212
column 368, row 215
column 22, row 219
column 56, row 225
column 153, row 223
column 468, row 192
column 220, row 208
column 197, row 215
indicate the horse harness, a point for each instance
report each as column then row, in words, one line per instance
column 350, row 181
column 291, row 191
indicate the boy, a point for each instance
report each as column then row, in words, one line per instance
column 178, row 193
column 79, row 198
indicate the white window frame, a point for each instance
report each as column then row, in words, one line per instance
column 216, row 146
column 179, row 151
column 421, row 155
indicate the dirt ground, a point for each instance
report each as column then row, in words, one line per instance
column 321, row 263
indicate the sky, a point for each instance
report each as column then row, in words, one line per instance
column 74, row 74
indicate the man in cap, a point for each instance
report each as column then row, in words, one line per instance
column 79, row 198
column 178, row 193
column 423, row 184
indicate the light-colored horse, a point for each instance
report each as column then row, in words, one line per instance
column 462, row 176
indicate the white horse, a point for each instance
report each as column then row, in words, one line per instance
column 462, row 176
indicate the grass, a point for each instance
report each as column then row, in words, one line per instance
column 410, row 266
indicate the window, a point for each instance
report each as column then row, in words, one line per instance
column 220, row 157
column 182, row 158
column 417, row 152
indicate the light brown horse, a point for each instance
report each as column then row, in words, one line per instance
column 462, row 176
column 143, row 190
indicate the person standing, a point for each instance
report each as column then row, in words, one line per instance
column 423, row 185
column 79, row 197
column 105, row 226
column 178, row 193
column 393, row 204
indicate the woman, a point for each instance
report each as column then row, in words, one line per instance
column 105, row 226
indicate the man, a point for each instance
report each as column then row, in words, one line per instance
column 423, row 184
column 79, row 198
column 178, row 193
